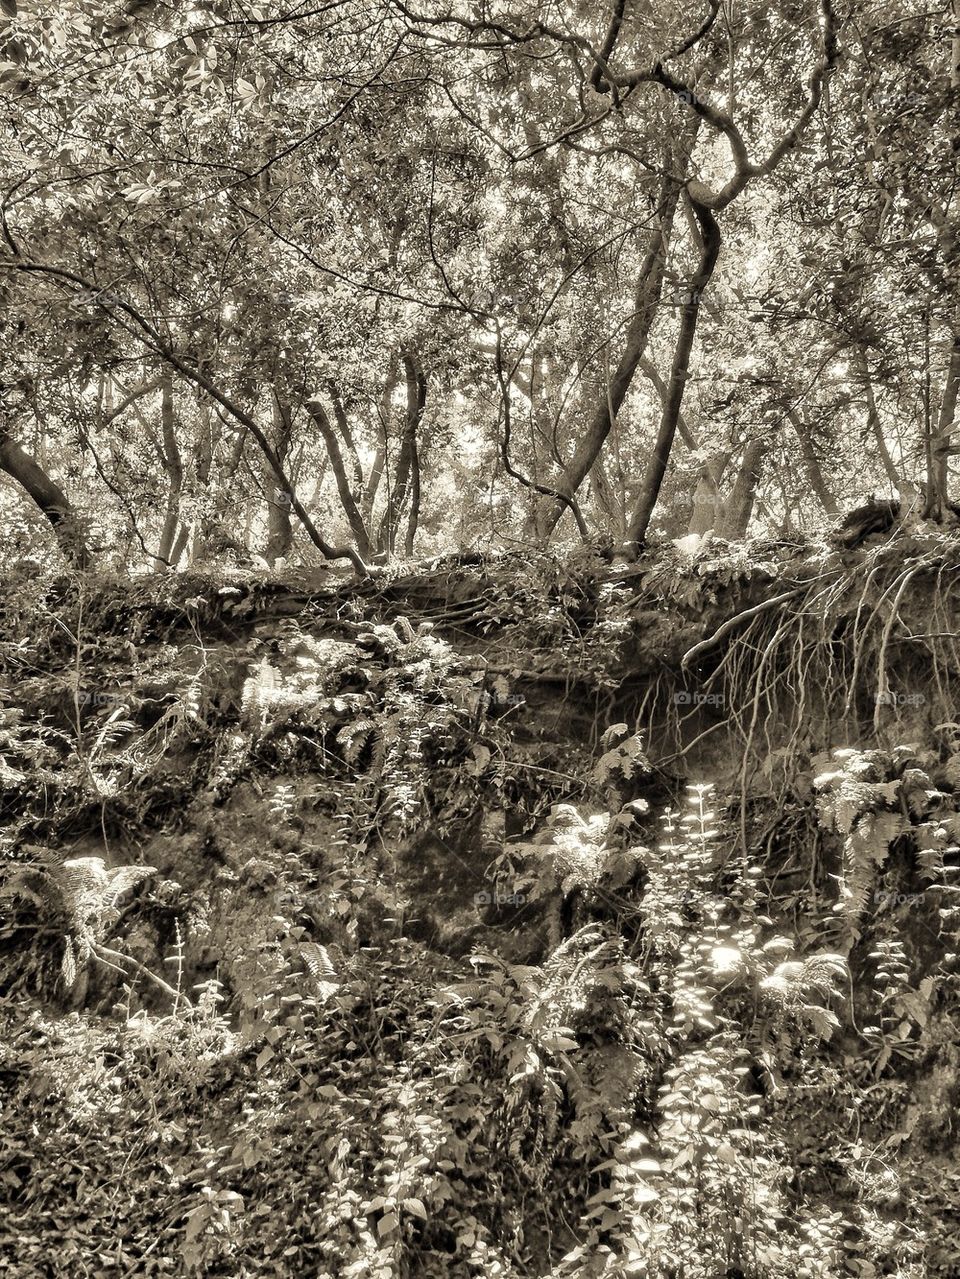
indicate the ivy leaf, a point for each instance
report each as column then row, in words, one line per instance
column 387, row 1224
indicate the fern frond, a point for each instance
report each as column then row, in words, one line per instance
column 68, row 965
column 792, row 984
column 353, row 737
column 317, row 961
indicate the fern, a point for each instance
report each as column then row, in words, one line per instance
column 317, row 961
column 354, row 737
column 563, row 986
column 80, row 892
column 261, row 690
column 865, row 851
column 854, row 800
column 793, row 983
column 623, row 756
column 182, row 714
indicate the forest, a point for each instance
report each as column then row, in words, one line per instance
column 480, row 646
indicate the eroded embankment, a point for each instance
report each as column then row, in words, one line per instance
column 257, row 828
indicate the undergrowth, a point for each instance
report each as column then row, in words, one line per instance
column 688, row 1036
column 597, row 1112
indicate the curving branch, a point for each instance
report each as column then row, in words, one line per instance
column 49, row 497
column 723, row 122
column 609, row 44
column 131, row 397
column 650, row 490
column 347, row 499
column 686, row 45
column 566, row 500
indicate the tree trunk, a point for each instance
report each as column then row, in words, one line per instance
column 180, row 545
column 173, row 465
column 416, row 406
column 647, row 300
column 407, row 476
column 347, row 499
column 938, row 497
column 207, row 441
column 279, row 530
column 873, row 419
column 378, row 469
column 650, row 490
column 49, row 497
column 607, row 500
column 811, row 464
column 707, row 500
column 372, row 486
column 738, row 508
column 343, row 425
column 686, row 435
column 413, row 519
column 210, row 529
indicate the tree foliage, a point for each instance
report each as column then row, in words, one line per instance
column 418, row 279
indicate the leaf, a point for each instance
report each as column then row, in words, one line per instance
column 416, row 1207
column 615, row 732
column 196, row 1222
column 559, row 1043
column 138, row 193
column 9, row 7
column 823, row 1020
column 318, row 962
column 387, row 1223
column 726, row 960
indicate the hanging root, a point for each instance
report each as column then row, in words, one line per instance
column 799, row 669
